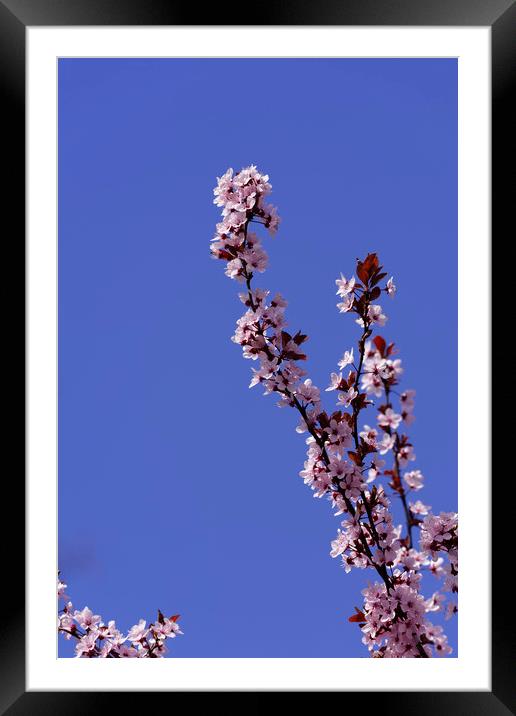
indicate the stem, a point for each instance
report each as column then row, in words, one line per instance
column 356, row 411
column 399, row 485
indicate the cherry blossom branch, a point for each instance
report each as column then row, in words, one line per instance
column 293, row 400
column 396, row 483
column 393, row 620
column 98, row 640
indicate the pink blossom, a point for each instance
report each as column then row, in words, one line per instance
column 346, row 305
column 439, row 532
column 414, row 479
column 435, row 566
column 407, row 400
column 347, row 397
column 374, row 315
column 406, row 454
column 335, row 381
column 369, row 435
column 389, row 419
column 66, row 624
column 87, row 645
column 339, row 468
column 166, row 628
column 339, row 545
column 308, row 393
column 86, row 618
column 61, row 586
column 451, row 610
column 435, row 603
column 138, row 631
column 344, row 286
column 375, row 469
column 418, row 508
column 347, row 359
column 339, row 432
column 385, row 444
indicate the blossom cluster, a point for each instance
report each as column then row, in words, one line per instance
column 346, row 461
column 95, row 639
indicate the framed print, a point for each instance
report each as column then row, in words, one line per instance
column 315, row 187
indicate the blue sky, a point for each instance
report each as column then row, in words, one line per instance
column 178, row 486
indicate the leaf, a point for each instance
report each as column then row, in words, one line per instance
column 360, row 401
column 355, row 457
column 367, row 268
column 380, row 344
column 377, row 278
column 366, row 448
column 291, row 355
column 358, row 617
column 362, row 273
column 359, row 304
column 323, row 420
column 300, row 338
column 371, row 263
column 175, row 617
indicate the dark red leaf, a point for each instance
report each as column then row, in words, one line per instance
column 362, row 273
column 323, row 420
column 299, row 338
column 380, row 344
column 377, row 278
column 358, row 617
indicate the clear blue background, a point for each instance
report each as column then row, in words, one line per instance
column 178, row 486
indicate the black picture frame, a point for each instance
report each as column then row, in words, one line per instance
column 15, row 16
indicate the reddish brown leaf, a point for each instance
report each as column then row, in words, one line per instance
column 362, row 273
column 358, row 617
column 380, row 344
column 355, row 457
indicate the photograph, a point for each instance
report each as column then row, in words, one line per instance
column 300, row 213
column 259, row 256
